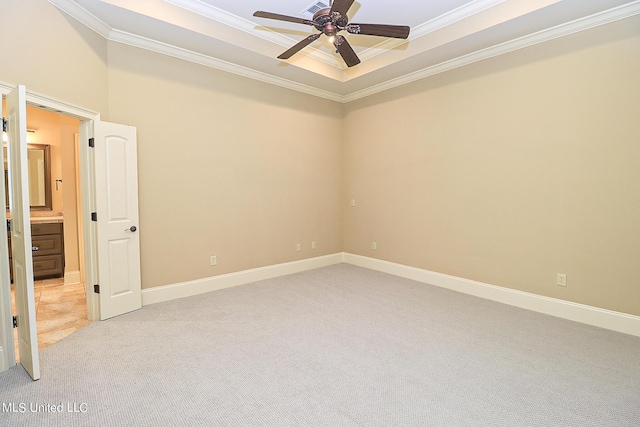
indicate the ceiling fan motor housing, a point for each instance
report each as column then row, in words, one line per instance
column 329, row 23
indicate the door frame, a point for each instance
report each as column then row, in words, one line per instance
column 87, row 185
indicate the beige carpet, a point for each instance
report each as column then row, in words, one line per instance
column 337, row 346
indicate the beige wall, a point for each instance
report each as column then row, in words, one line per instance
column 509, row 171
column 53, row 54
column 227, row 166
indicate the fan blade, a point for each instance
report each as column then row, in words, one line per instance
column 299, row 46
column 346, row 51
column 278, row 17
column 341, row 6
column 397, row 31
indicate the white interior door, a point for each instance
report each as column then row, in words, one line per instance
column 116, row 183
column 21, row 231
column 7, row 352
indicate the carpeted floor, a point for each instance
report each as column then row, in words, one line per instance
column 337, row 346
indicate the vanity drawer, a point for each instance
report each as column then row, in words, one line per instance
column 46, row 245
column 48, row 259
column 46, row 228
column 48, row 266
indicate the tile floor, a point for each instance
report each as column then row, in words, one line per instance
column 60, row 310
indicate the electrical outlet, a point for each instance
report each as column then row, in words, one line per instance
column 313, row 245
column 353, row 202
column 298, row 247
column 214, row 260
column 374, row 246
column 561, row 280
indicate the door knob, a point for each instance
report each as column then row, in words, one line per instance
column 132, row 229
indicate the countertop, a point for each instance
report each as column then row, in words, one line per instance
column 43, row 219
column 44, row 216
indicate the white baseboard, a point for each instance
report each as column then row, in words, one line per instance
column 195, row 287
column 608, row 319
column 72, row 277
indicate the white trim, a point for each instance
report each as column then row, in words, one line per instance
column 87, row 118
column 212, row 12
column 86, row 125
column 581, row 24
column 72, row 277
column 608, row 319
column 218, row 64
column 543, row 36
column 52, row 104
column 79, row 212
column 463, row 12
column 81, row 14
column 196, row 287
column 89, row 233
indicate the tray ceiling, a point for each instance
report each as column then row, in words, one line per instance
column 445, row 34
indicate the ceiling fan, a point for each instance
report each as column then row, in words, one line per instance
column 330, row 21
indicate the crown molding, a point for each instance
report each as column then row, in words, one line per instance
column 82, row 15
column 582, row 24
column 215, row 13
column 442, row 21
column 449, row 18
column 562, row 30
column 208, row 61
column 212, row 12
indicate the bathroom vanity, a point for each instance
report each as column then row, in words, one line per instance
column 47, row 246
column 47, row 229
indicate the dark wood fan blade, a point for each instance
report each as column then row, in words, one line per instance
column 341, row 6
column 299, row 46
column 279, row 17
column 396, row 31
column 346, row 51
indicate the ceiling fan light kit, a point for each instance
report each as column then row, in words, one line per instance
column 330, row 21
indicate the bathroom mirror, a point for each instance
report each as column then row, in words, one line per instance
column 39, row 160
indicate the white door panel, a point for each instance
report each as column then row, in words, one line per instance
column 21, row 231
column 117, row 216
column 7, row 352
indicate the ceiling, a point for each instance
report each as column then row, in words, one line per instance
column 445, row 34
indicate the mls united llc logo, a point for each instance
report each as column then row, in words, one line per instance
column 34, row 407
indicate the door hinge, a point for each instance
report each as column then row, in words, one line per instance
column 15, row 321
column 92, row 142
column 94, row 216
column 96, row 289
column 8, row 225
column 4, row 124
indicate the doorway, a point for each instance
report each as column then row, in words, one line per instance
column 59, row 287
column 26, row 313
column 106, row 157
